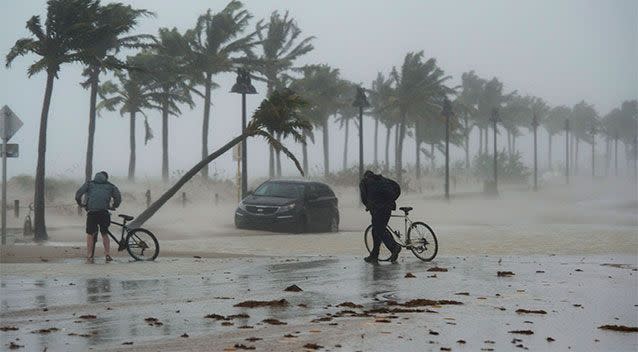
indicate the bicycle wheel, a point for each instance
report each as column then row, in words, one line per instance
column 384, row 253
column 423, row 241
column 141, row 244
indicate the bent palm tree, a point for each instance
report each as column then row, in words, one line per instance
column 67, row 30
column 280, row 114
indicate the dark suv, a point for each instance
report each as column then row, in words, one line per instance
column 296, row 206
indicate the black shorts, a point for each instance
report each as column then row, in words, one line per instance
column 95, row 219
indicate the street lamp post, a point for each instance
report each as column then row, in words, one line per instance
column 535, row 126
column 495, row 119
column 567, row 150
column 243, row 86
column 361, row 102
column 447, row 112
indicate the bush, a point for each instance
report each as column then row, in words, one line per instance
column 510, row 167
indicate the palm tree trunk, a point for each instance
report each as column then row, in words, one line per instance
column 345, row 146
column 304, row 152
column 398, row 161
column 480, row 132
column 165, row 141
column 205, row 123
column 417, row 142
column 271, row 162
column 131, row 160
column 376, row 143
column 467, row 146
column 513, row 144
column 549, row 153
column 509, row 143
column 88, row 171
column 432, row 166
column 278, row 155
column 39, row 223
column 326, row 148
column 388, row 132
column 487, row 138
column 607, row 155
column 153, row 208
column 576, row 156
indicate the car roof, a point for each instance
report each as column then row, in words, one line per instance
column 300, row 181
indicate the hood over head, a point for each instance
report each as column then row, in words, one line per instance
column 101, row 177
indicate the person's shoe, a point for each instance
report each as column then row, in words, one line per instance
column 371, row 260
column 395, row 255
column 89, row 260
column 108, row 258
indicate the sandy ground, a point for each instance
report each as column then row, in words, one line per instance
column 569, row 234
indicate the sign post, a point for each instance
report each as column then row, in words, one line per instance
column 9, row 125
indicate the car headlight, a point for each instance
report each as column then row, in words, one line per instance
column 286, row 208
column 242, row 206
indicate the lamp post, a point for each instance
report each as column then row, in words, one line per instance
column 567, row 150
column 360, row 101
column 447, row 112
column 495, row 119
column 535, row 126
column 243, row 86
column 593, row 149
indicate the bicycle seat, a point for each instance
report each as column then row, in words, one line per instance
column 406, row 210
column 126, row 217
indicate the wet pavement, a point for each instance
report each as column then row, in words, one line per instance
column 110, row 306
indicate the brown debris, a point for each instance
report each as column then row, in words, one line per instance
column 14, row 346
column 243, row 347
column 437, row 269
column 462, row 342
column 87, row 316
column 550, row 339
column 253, row 339
column 290, row 336
column 349, row 305
column 504, row 273
column 409, row 276
column 432, row 332
column 293, row 288
column 8, row 328
column 312, row 346
column 462, row 293
column 530, row 311
column 44, row 331
column 383, row 321
column 446, row 349
column 127, row 343
column 256, row 304
column 184, row 335
column 420, row 302
column 318, row 320
column 620, row 328
column 230, row 317
column 522, row 332
column 227, row 323
column 273, row 321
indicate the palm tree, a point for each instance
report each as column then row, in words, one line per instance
column 280, row 48
column 582, row 119
column 379, row 94
column 320, row 85
column 68, row 29
column 347, row 112
column 417, row 87
column 168, row 78
column 132, row 95
column 280, row 113
column 466, row 105
column 112, row 22
column 554, row 123
column 491, row 97
column 215, row 44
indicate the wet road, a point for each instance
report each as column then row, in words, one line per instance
column 578, row 295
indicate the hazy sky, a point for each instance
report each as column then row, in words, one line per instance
column 562, row 51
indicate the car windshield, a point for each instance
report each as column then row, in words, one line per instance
column 280, row 189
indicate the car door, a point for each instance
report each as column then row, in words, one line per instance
column 312, row 205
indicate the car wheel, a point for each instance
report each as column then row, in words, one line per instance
column 334, row 224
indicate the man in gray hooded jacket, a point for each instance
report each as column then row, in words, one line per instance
column 99, row 193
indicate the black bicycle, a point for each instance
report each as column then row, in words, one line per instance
column 420, row 238
column 140, row 243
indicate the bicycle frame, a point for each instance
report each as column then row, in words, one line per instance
column 397, row 235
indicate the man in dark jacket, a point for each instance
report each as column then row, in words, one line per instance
column 99, row 193
column 375, row 197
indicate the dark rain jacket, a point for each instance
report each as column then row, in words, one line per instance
column 98, row 194
column 376, row 193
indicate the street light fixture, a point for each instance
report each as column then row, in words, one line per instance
column 495, row 119
column 361, row 102
column 535, row 126
column 447, row 113
column 243, row 86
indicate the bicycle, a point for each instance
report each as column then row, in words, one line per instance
column 420, row 238
column 137, row 241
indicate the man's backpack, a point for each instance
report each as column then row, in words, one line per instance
column 390, row 189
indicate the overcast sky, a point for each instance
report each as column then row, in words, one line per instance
column 562, row 51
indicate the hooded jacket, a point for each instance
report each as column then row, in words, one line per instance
column 98, row 194
column 378, row 192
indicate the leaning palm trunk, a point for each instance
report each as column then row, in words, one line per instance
column 165, row 141
column 40, row 229
column 153, row 208
column 206, row 122
column 399, row 157
column 304, row 152
column 345, row 146
column 88, row 171
column 131, row 161
column 278, row 155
